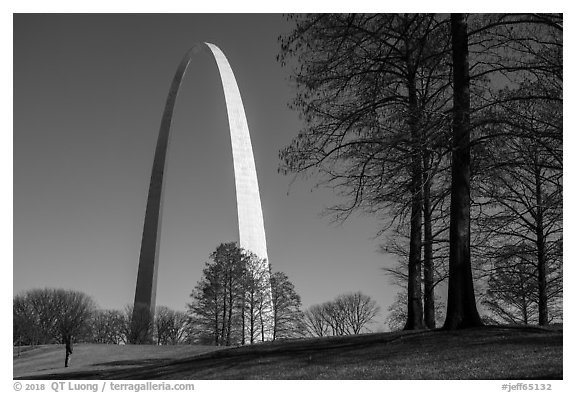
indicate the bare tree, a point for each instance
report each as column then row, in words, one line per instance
column 347, row 314
column 138, row 326
column 55, row 315
column 512, row 293
column 436, row 252
column 38, row 308
column 75, row 310
column 108, row 327
column 227, row 304
column 335, row 318
column 25, row 323
column 206, row 309
column 521, row 196
column 254, row 298
column 288, row 317
column 518, row 145
column 357, row 311
column 520, row 185
column 461, row 310
column 372, row 91
column 315, row 321
column 170, row 326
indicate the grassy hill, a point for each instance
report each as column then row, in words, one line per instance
column 486, row 353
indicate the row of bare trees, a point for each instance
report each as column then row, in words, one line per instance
column 347, row 314
column 50, row 316
column 448, row 127
column 169, row 327
column 43, row 316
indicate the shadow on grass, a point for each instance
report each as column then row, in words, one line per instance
column 484, row 353
column 132, row 362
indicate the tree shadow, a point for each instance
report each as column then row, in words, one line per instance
column 245, row 362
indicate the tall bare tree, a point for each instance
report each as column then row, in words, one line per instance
column 215, row 299
column 254, row 298
column 516, row 68
column 461, row 310
column 521, row 190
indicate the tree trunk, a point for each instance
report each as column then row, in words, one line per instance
column 461, row 311
column 224, row 311
column 414, row 320
column 275, row 327
column 216, row 327
column 429, row 312
column 541, row 251
column 262, row 329
column 231, row 307
column 524, row 307
column 243, row 311
column 252, row 318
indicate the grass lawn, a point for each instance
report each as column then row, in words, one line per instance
column 485, row 353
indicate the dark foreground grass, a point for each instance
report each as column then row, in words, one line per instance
column 485, row 353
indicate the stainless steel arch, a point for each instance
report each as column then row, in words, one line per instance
column 250, row 218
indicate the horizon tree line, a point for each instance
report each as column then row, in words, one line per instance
column 225, row 309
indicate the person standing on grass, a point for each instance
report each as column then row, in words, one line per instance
column 68, row 342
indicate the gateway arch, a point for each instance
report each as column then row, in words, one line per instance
column 250, row 219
